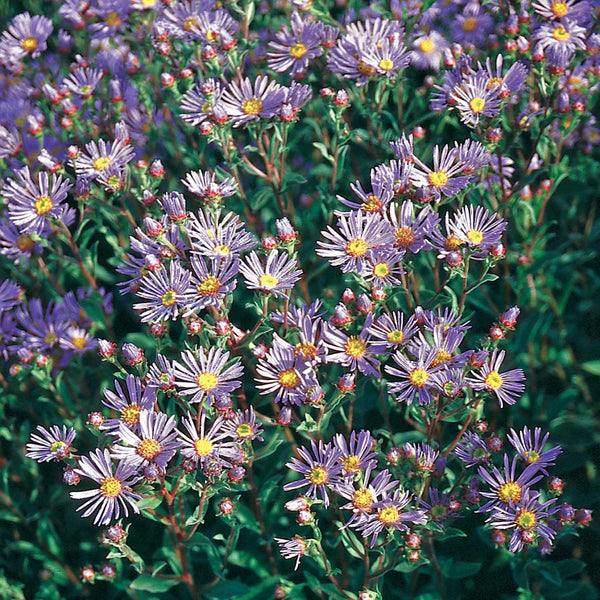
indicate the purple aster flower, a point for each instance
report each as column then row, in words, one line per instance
column 321, row 470
column 428, row 49
column 25, row 36
column 129, row 401
column 438, row 508
column 161, row 375
column 389, row 58
column 579, row 12
column 310, row 349
column 383, row 192
column 155, row 443
column 473, row 25
column 294, row 548
column 403, row 148
column 173, row 205
column 444, row 320
column 354, row 351
column 204, row 185
column 215, row 236
column 244, row 426
column 181, row 19
column 52, row 444
column 297, row 314
column 530, row 447
column 508, row 386
column 505, row 487
column 114, row 496
column 212, row 283
column 356, row 453
column 200, row 103
column 293, row 48
column 477, row 228
column 245, row 101
column 527, row 518
column 410, row 230
column 473, row 155
column 11, row 294
column 392, row 329
column 446, row 343
column 101, row 155
column 31, row 203
column 560, row 40
column 77, row 339
column 206, row 375
column 9, row 334
column 112, row 17
column 82, row 81
column 423, row 455
column 390, row 513
column 475, row 98
column 359, row 233
column 10, row 142
column 382, row 268
column 296, row 96
column 276, row 277
column 509, row 83
column 472, row 450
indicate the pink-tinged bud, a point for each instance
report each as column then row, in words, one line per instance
column 454, row 505
column 106, row 349
column 326, row 92
column 413, row 540
column 583, row 516
column 222, row 327
column 498, row 250
column 226, row 506
column 523, row 259
column 158, row 329
column 364, row 304
column 494, row 443
column 194, row 327
column 141, row 164
column 496, row 333
column 208, row 52
column 208, row 86
column 418, row 132
column 341, row 98
column 304, row 517
column 509, row 317
column 341, row 316
column 41, row 360
column 546, row 184
column 578, row 106
column 73, row 151
column 236, row 474
column 498, row 537
column 556, row 485
column 279, row 593
column 394, row 455
column 286, row 112
column 164, row 49
column 115, row 533
column 449, row 60
column 285, row 231
column 95, row 419
column 527, row 536
column 297, row 504
column 524, row 18
column 260, row 350
column 481, row 426
column 510, row 45
column 186, row 73
column 148, row 198
column 413, row 556
column 109, row 571
column 537, row 55
column 66, row 123
column 269, row 242
column 153, row 227
column 285, row 416
column 348, row 296
column 156, row 169
column 34, row 125
column 132, row 354
column 494, row 134
column 347, row 383
column 453, row 259
column 206, row 128
column 14, row 370
column 526, row 193
column 237, row 334
column 523, row 44
column 379, row 295
column 88, row 574
column 25, row 355
column 70, row 477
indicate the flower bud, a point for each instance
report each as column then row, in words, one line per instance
column 284, row 417
column 95, row 419
column 226, row 506
column 132, row 354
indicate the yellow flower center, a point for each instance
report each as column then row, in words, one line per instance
column 252, row 107
column 148, row 449
column 307, row 350
column 469, row 24
column 509, row 491
column 475, row 237
column 418, row 377
column 114, row 182
column 386, row 64
column 395, row 336
column 79, row 342
column 190, row 23
column 25, row 243
column 441, row 357
column 438, row 179
column 85, row 89
column 148, row 3
column 101, row 163
column 43, row 205
column 388, row 515
column 29, row 44
column 532, row 456
column 113, row 19
column 203, row 447
column 222, row 249
column 362, row 499
column 560, row 9
column 209, row 286
column 405, row 236
column 526, row 519
column 356, row 247
column 561, row 34
column 372, row 204
column 494, row 81
column 50, row 337
column 130, row 415
column 351, row 463
column 243, row 430
column 207, row 381
column 427, row 46
column 111, row 487
column 318, row 475
column 288, row 379
column 381, row 270
column 298, row 50
column 169, row 297
column 268, row 281
column 452, row 243
column 56, row 446
column 477, row 105
column 493, row 380
column 365, row 69
column 355, row 347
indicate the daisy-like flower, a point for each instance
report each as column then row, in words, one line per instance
column 472, row 25
column 563, row 9
column 390, row 513
column 508, row 83
column 356, row 453
column 244, row 426
column 156, row 442
column 129, row 401
column 212, row 282
column 383, row 266
column 161, row 375
column 505, row 487
column 410, row 230
column 428, row 49
column 200, row 103
column 83, row 81
column 32, row 203
column 294, row 548
column 383, row 192
column 446, row 343
column 507, row 386
column 298, row 314
column 52, row 444
column 438, row 508
column 472, row 450
column 11, row 294
column 477, row 228
column 358, row 233
column 560, row 40
column 530, row 446
column 415, row 376
column 445, row 320
column 388, row 58
column 321, row 470
column 527, row 519
column 294, row 48
column 208, row 443
column 101, row 155
column 276, row 277
column 245, row 101
column 423, row 455
column 112, row 17
column 392, row 329
column 474, row 99
column 473, row 155
column 167, row 293
column 25, row 36
column 15, row 245
column 114, row 496
column 354, row 351
column 204, row 185
column 207, row 376
column 77, row 339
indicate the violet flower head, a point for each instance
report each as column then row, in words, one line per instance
column 246, row 101
column 50, row 444
column 507, row 386
column 530, row 446
column 277, row 276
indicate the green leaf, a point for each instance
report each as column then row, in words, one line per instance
column 147, row 583
column 228, row 589
column 592, row 366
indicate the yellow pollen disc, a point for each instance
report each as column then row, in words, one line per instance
column 56, row 446
column 560, row 9
column 438, row 511
column 111, row 487
column 207, row 381
column 113, row 181
column 351, row 463
column 298, row 50
column 206, row 107
column 25, row 243
column 381, row 270
column 418, row 377
column 307, row 350
column 85, row 89
column 477, row 105
column 362, row 499
column 243, row 430
column 509, row 491
column 101, row 163
column 112, row 19
column 356, row 247
column 148, row 449
column 427, row 46
column 318, row 475
column 209, row 286
column 386, row 64
column 29, row 44
column 441, row 357
column 355, row 347
column 405, row 236
column 203, row 447
column 532, row 456
column 388, row 515
column 365, row 69
column 211, row 36
column 252, row 107
column 561, row 34
column 190, row 23
column 475, row 237
column 148, row 3
column 130, row 415
column 268, row 281
column 438, row 179
column 288, row 379
column 494, row 81
column 43, row 205
column 469, row 24
column 169, row 297
column 50, row 338
column 395, row 336
column 526, row 519
column 493, row 380
column 222, row 249
column 452, row 243
column 79, row 342
column 372, row 204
